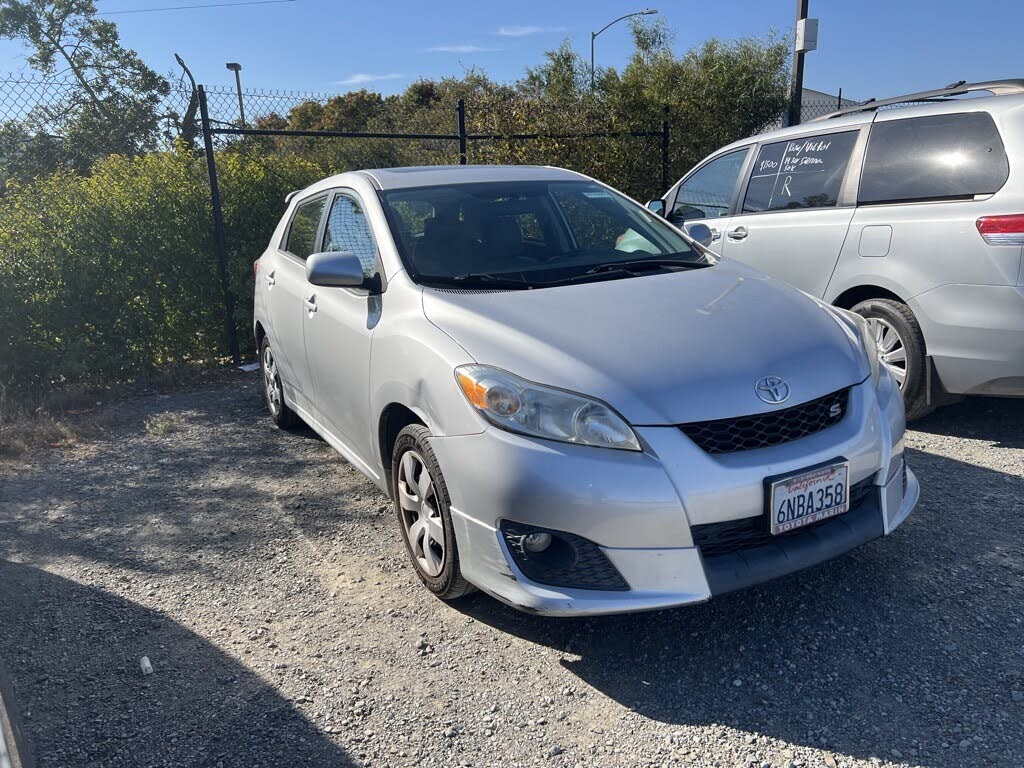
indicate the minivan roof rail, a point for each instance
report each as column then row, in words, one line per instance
column 996, row 87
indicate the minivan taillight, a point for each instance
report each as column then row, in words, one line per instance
column 1002, row 230
column 255, row 270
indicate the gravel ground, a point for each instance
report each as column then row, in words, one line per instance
column 265, row 580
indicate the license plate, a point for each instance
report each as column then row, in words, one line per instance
column 809, row 496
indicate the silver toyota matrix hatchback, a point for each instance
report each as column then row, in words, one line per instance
column 574, row 406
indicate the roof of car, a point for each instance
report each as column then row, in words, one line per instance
column 852, row 119
column 431, row 175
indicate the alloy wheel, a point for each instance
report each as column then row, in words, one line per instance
column 272, row 382
column 891, row 350
column 421, row 515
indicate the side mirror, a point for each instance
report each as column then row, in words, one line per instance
column 335, row 269
column 656, row 206
column 701, row 233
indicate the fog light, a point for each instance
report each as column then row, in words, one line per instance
column 560, row 558
column 536, row 542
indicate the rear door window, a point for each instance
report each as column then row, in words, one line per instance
column 799, row 173
column 302, row 232
column 933, row 158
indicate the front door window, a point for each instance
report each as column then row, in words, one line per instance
column 707, row 193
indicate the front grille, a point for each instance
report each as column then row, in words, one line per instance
column 735, row 535
column 767, row 429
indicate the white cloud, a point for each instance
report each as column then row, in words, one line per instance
column 461, row 49
column 523, row 31
column 362, row 78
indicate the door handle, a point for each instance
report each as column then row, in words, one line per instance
column 270, row 278
column 715, row 234
column 310, row 303
column 737, row 233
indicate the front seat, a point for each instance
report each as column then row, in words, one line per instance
column 502, row 244
column 444, row 249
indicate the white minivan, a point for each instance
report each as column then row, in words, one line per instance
column 909, row 211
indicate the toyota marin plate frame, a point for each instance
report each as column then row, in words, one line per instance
column 807, row 496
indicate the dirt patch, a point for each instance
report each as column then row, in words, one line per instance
column 266, row 581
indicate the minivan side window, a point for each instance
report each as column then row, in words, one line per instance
column 806, row 172
column 933, row 158
column 708, row 192
column 348, row 230
column 305, row 224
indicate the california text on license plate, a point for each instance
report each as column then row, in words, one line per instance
column 809, row 496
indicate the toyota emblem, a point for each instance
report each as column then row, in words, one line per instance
column 772, row 390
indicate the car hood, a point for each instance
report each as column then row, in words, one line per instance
column 661, row 349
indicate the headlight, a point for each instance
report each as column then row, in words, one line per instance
column 518, row 405
column 867, row 340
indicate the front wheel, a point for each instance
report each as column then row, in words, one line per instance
column 422, row 506
column 900, row 347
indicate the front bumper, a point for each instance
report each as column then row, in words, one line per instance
column 638, row 507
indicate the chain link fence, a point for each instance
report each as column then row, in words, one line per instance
column 117, row 258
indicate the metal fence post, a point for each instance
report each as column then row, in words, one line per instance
column 666, row 179
column 460, row 107
column 220, row 239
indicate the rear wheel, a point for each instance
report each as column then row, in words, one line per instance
column 273, row 392
column 900, row 347
column 422, row 505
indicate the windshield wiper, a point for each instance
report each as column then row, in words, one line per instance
column 487, row 279
column 625, row 268
column 642, row 265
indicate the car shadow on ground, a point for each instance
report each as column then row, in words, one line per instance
column 911, row 643
column 997, row 420
column 86, row 702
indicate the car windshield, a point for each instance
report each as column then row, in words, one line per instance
column 531, row 234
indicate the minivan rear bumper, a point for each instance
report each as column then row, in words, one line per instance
column 975, row 336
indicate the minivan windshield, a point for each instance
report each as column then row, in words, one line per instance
column 530, row 234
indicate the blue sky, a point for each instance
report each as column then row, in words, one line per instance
column 867, row 47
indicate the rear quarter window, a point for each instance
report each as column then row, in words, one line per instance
column 934, row 157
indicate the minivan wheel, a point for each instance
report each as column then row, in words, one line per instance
column 422, row 505
column 900, row 346
column 273, row 392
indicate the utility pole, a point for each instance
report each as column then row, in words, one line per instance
column 235, row 67
column 806, row 40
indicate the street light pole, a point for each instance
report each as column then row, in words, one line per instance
column 237, row 69
column 593, row 37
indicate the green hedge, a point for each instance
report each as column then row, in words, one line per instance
column 112, row 275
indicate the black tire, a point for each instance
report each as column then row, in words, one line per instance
column 282, row 415
column 898, row 316
column 448, row 583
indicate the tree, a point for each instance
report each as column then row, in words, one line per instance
column 563, row 77
column 717, row 92
column 114, row 103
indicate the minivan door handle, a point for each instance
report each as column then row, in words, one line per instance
column 737, row 233
column 715, row 234
column 271, row 279
column 310, row 303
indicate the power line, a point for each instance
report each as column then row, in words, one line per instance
column 191, row 7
